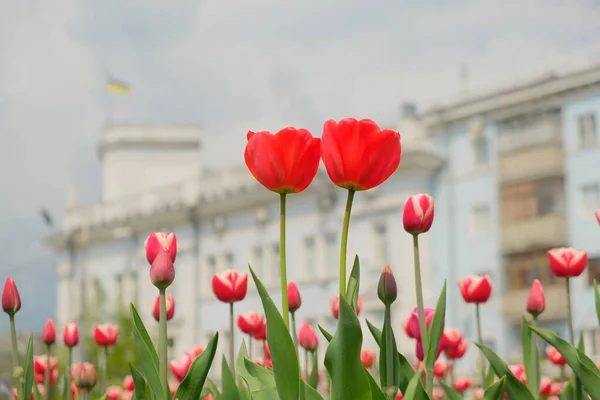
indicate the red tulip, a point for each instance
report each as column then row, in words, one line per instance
column 399, row 396
column 196, row 351
column 457, row 352
column 413, row 323
column 39, row 378
column 335, row 306
column 128, row 383
column 556, row 388
column 180, row 367
column 478, row 393
column 261, row 333
column 127, row 395
column 74, row 389
column 440, row 368
column 230, row 286
column 113, row 393
column 567, row 262
column 294, row 299
column 162, row 270
column 250, row 323
column 387, row 289
column 307, row 338
column 40, row 363
column 267, row 350
column 554, row 356
column 358, row 155
column 106, row 334
column 160, row 241
column 476, row 289
column 173, row 388
column 518, row 371
column 461, row 384
column 407, row 327
column 285, row 162
column 170, row 300
column 418, row 214
column 11, row 301
column 71, row 335
column 536, row 303
column 438, row 393
column 367, row 358
column 452, row 338
column 419, row 350
column 546, row 386
column 49, row 333
column 84, row 375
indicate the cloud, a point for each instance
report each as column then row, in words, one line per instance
column 238, row 65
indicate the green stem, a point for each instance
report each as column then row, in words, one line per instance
column 534, row 359
column 421, row 311
column 569, row 312
column 389, row 350
column 231, row 341
column 15, row 356
column 282, row 262
column 294, row 333
column 162, row 342
column 306, row 372
column 69, row 363
column 104, row 367
column 480, row 340
column 250, row 347
column 344, row 242
column 47, row 372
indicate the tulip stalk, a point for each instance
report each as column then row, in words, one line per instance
column 47, row 371
column 569, row 312
column 162, row 342
column 294, row 332
column 534, row 357
column 231, row 341
column 282, row 262
column 306, row 362
column 344, row 242
column 389, row 350
column 250, row 347
column 421, row 311
column 480, row 340
column 103, row 368
column 15, row 356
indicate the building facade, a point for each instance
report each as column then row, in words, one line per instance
column 513, row 173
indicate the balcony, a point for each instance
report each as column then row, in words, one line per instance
column 542, row 231
column 514, row 301
column 532, row 163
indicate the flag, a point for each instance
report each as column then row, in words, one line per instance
column 118, row 87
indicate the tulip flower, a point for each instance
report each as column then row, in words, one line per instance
column 160, row 241
column 180, row 367
column 399, row 395
column 196, row 351
column 49, row 338
column 568, row 263
column 44, row 363
column 546, row 386
column 457, row 352
column 84, row 375
column 452, row 338
column 478, row 393
column 294, row 303
column 358, row 155
column 71, row 335
column 261, row 333
column 462, row 384
column 11, row 301
column 170, row 303
column 476, row 289
column 307, row 337
column 418, row 214
column 250, row 324
column 413, row 322
column 518, row 370
column 421, row 355
column 335, row 306
column 105, row 336
column 162, row 270
column 387, row 290
column 367, row 358
column 536, row 302
column 113, row 393
column 126, row 395
column 555, row 357
column 440, row 368
column 128, row 383
column 51, row 374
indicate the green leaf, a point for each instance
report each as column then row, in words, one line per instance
column 328, row 336
column 489, row 378
column 283, row 352
column 383, row 352
column 147, row 354
column 213, row 389
column 495, row 391
column 584, row 369
column 415, row 390
column 436, row 329
column 191, row 386
column 597, row 298
column 28, row 369
column 342, row 358
column 139, row 383
column 402, row 369
column 66, row 394
column 313, row 379
column 309, row 392
column 451, row 394
column 244, row 395
column 530, row 357
column 354, row 284
column 260, row 381
column 514, row 387
column 376, row 391
column 229, row 390
column 36, row 393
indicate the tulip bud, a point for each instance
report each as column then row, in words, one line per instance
column 294, row 299
column 11, row 301
column 418, row 214
column 49, row 333
column 128, row 383
column 387, row 290
column 160, row 241
column 307, row 337
column 162, row 271
column 71, row 335
column 536, row 303
column 84, row 375
column 367, row 358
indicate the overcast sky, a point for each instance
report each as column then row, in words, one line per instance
column 232, row 66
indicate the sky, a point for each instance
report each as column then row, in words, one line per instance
column 233, row 66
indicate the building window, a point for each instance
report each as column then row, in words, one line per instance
column 481, row 154
column 310, row 257
column 524, row 268
column 590, row 199
column 586, row 126
column 331, row 251
column 593, row 270
column 480, row 220
column 380, row 245
column 549, row 197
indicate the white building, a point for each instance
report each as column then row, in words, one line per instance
column 153, row 180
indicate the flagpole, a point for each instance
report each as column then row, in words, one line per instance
column 107, row 103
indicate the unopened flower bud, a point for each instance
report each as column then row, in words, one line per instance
column 162, row 271
column 387, row 290
column 84, row 375
column 11, row 301
column 536, row 303
column 49, row 333
column 71, row 335
column 294, row 299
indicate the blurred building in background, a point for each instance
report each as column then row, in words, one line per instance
column 513, row 173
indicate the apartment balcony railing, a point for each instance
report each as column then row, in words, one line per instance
column 543, row 231
column 532, row 163
column 514, row 301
